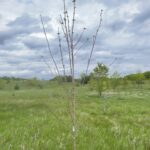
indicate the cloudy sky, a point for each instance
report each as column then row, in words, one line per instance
column 124, row 36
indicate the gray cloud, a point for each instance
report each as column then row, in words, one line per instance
column 28, row 21
column 35, row 43
column 142, row 16
column 24, row 21
column 23, row 26
column 13, row 33
column 117, row 25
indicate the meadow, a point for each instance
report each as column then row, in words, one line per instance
column 38, row 119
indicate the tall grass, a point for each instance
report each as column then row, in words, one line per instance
column 28, row 121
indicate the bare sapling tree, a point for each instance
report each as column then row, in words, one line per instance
column 73, row 45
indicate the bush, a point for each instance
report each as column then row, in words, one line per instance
column 85, row 78
column 16, row 87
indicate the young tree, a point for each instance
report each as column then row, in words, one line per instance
column 99, row 75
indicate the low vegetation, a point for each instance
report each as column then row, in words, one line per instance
column 34, row 114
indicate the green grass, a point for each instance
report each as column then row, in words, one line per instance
column 37, row 119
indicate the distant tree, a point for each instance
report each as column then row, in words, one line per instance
column 147, row 75
column 63, row 78
column 84, row 78
column 99, row 76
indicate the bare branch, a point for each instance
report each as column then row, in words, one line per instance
column 48, row 65
column 75, row 53
column 112, row 62
column 94, row 41
column 80, row 37
column 44, row 31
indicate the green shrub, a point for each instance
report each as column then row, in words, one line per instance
column 16, row 87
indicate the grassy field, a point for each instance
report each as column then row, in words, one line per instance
column 37, row 119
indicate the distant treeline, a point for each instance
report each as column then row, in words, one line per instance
column 12, row 78
column 112, row 81
column 19, row 83
column 68, row 78
column 131, row 77
column 145, row 75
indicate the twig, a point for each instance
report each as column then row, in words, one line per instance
column 61, row 53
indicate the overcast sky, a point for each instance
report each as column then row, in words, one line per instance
column 124, row 35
